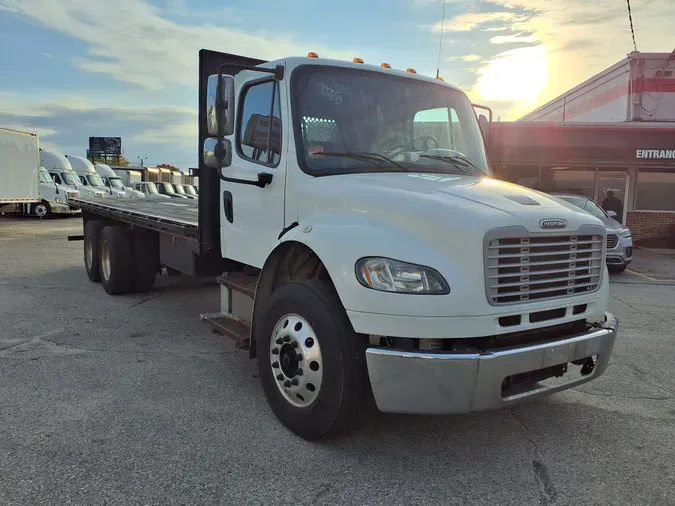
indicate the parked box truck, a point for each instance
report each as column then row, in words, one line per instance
column 19, row 169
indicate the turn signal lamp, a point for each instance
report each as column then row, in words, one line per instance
column 385, row 65
column 357, row 60
column 412, row 71
column 312, row 54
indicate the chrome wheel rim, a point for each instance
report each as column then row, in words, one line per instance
column 40, row 210
column 105, row 260
column 296, row 361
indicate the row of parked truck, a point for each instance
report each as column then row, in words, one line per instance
column 40, row 182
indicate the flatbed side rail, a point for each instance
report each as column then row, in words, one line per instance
column 152, row 221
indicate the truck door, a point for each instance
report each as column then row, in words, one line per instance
column 253, row 217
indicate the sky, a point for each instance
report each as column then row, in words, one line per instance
column 72, row 69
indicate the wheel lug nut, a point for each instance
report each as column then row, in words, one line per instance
column 275, row 364
column 286, row 339
column 298, row 358
column 294, row 344
column 287, row 383
column 299, row 372
column 279, row 340
column 280, row 377
column 294, row 381
column 275, row 351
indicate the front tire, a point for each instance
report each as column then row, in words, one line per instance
column 42, row 210
column 326, row 390
column 116, row 260
column 616, row 269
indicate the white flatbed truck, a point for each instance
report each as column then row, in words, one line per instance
column 362, row 248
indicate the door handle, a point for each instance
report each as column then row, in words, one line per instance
column 228, row 206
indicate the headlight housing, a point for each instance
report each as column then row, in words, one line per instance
column 387, row 275
column 625, row 233
column 58, row 200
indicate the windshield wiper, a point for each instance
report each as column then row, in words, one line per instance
column 368, row 157
column 454, row 160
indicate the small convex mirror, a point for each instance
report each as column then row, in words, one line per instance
column 222, row 112
column 210, row 150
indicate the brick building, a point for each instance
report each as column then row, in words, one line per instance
column 615, row 131
column 634, row 160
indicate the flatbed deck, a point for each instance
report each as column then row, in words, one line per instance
column 175, row 216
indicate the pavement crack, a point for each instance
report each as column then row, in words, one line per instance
column 148, row 299
column 642, row 310
column 645, row 374
column 548, row 494
column 631, row 397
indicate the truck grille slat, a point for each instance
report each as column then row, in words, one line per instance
column 550, row 271
column 541, row 267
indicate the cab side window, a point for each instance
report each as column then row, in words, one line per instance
column 56, row 178
column 253, row 131
column 83, row 180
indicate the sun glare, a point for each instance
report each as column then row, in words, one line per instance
column 517, row 75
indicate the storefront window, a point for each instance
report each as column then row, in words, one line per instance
column 655, row 191
column 581, row 182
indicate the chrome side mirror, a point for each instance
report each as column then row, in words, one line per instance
column 211, row 150
column 220, row 105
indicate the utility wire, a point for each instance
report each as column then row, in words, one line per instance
column 632, row 31
column 440, row 45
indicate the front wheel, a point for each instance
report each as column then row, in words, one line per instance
column 42, row 210
column 312, row 364
column 616, row 269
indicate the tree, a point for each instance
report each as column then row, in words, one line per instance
column 167, row 166
column 120, row 161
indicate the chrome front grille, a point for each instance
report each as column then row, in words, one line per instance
column 537, row 267
column 612, row 241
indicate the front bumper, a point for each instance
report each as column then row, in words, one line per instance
column 449, row 383
column 622, row 253
column 58, row 208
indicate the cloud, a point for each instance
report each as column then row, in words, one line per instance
column 570, row 40
column 147, row 48
column 163, row 134
column 46, row 55
column 466, row 57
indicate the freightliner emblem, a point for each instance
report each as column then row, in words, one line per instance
column 548, row 224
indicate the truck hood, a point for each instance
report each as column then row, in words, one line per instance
column 457, row 201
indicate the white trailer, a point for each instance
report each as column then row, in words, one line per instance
column 359, row 260
column 19, row 169
column 640, row 87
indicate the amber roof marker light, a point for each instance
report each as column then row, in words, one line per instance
column 312, row 54
column 357, row 60
column 385, row 65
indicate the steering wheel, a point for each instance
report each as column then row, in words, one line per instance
column 426, row 139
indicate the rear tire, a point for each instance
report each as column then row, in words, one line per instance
column 343, row 391
column 145, row 261
column 116, row 260
column 92, row 249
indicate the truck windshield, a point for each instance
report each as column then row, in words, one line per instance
column 115, row 182
column 166, row 188
column 69, row 178
column 189, row 189
column 95, row 180
column 45, row 177
column 348, row 121
column 179, row 189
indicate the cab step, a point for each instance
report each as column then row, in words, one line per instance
column 231, row 326
column 239, row 282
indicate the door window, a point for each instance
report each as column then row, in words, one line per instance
column 253, row 136
column 56, row 178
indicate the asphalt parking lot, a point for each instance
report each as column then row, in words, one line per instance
column 132, row 400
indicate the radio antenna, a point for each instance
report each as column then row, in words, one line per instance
column 440, row 44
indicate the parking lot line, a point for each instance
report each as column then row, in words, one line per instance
column 651, row 278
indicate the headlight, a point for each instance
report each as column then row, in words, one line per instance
column 625, row 233
column 58, row 200
column 388, row 275
column 121, row 195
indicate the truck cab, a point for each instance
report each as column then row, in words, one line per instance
column 53, row 197
column 89, row 178
column 149, row 189
column 62, row 173
column 114, row 182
